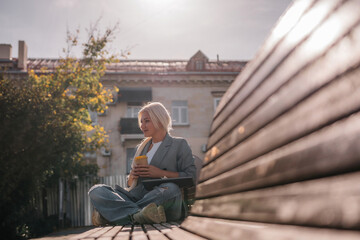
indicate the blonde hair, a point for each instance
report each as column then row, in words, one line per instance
column 159, row 115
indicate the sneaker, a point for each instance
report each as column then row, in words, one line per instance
column 148, row 214
column 97, row 219
column 161, row 213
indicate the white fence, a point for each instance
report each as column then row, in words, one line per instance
column 70, row 200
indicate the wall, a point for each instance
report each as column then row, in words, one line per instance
column 200, row 110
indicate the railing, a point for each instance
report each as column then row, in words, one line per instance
column 129, row 126
column 70, row 201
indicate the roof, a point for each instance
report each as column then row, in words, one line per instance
column 147, row 66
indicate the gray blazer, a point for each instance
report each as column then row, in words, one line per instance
column 174, row 154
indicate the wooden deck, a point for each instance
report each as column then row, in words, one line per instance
column 211, row 228
column 164, row 231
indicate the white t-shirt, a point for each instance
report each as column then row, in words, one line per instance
column 150, row 154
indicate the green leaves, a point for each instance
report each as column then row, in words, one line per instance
column 45, row 124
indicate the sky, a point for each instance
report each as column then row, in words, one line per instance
column 149, row 29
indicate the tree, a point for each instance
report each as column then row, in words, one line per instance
column 46, row 127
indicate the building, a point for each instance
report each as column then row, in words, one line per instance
column 190, row 89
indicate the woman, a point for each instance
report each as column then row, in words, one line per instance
column 167, row 157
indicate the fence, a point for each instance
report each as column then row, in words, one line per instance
column 70, row 201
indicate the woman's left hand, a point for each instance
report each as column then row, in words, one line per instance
column 148, row 171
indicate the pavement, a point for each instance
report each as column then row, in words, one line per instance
column 65, row 234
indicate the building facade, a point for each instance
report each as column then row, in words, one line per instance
column 189, row 89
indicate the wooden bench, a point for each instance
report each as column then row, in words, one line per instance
column 283, row 159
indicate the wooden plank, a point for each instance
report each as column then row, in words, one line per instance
column 171, row 225
column 296, row 37
column 294, row 65
column 304, row 83
column 285, row 24
column 99, row 233
column 153, row 233
column 264, row 141
column 164, row 229
column 180, row 234
column 273, row 135
column 175, row 233
column 138, row 233
column 124, row 234
column 337, row 100
column 311, row 157
column 176, row 224
column 85, row 234
column 332, row 202
column 111, row 233
column 227, row 229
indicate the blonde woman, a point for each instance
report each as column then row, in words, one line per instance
column 167, row 156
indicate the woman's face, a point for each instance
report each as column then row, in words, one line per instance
column 147, row 126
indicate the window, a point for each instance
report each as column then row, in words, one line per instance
column 179, row 111
column 216, row 103
column 133, row 110
column 199, row 65
column 130, row 153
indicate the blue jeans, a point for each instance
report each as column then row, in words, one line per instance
column 116, row 207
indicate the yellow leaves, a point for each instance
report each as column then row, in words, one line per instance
column 89, row 128
column 93, row 101
column 100, row 141
column 36, row 78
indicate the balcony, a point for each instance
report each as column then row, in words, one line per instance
column 129, row 129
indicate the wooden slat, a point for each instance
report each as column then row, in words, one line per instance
column 285, row 24
column 138, row 233
column 85, row 234
column 310, row 21
column 162, row 228
column 332, row 202
column 175, row 233
column 304, row 83
column 99, row 233
column 153, row 233
column 180, row 234
column 338, row 99
column 226, row 229
column 290, row 127
column 124, row 234
column 111, row 233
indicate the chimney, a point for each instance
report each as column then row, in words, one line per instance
column 22, row 59
column 5, row 51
